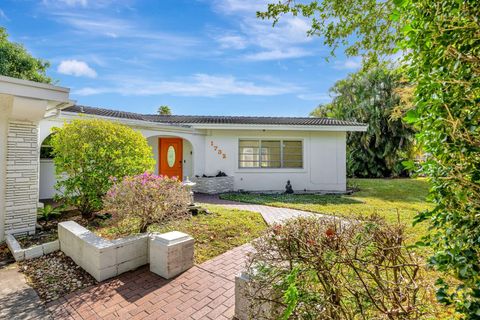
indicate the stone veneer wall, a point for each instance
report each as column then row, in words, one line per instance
column 213, row 185
column 22, row 178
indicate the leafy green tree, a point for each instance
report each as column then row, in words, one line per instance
column 90, row 154
column 443, row 45
column 372, row 98
column 15, row 61
column 164, row 110
column 439, row 41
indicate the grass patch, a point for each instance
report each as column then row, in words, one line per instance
column 214, row 233
column 389, row 198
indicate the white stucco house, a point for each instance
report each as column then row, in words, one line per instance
column 256, row 153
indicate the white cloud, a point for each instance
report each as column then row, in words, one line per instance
column 348, row 64
column 198, row 85
column 232, row 42
column 278, row 54
column 84, row 3
column 320, row 97
column 244, row 6
column 3, row 15
column 286, row 40
column 70, row 3
column 76, row 68
column 119, row 28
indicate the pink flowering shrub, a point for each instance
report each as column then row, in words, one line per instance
column 148, row 198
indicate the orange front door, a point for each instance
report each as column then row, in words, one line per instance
column 170, row 157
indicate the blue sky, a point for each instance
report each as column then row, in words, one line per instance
column 211, row 57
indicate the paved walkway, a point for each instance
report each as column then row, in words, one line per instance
column 271, row 215
column 17, row 299
column 205, row 291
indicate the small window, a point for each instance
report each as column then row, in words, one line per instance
column 46, row 150
column 249, row 153
column 292, row 154
column 270, row 154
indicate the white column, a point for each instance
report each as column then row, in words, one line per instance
column 171, row 253
column 4, row 113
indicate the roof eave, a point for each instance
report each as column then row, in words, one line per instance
column 133, row 122
column 339, row 128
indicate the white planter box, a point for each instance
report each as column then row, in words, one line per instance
column 169, row 254
column 20, row 254
column 213, row 185
column 102, row 258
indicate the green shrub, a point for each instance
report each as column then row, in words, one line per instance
column 87, row 153
column 149, row 199
column 311, row 268
column 48, row 212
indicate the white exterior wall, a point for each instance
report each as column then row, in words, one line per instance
column 323, row 156
column 4, row 112
column 47, row 179
column 22, row 177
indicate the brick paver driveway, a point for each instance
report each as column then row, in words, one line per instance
column 206, row 291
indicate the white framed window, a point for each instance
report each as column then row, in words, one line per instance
column 270, row 153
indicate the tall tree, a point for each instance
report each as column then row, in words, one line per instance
column 440, row 43
column 372, row 98
column 164, row 110
column 15, row 61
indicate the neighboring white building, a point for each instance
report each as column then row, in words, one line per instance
column 256, row 153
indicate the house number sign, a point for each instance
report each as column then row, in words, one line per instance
column 218, row 151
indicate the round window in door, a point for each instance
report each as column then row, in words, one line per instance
column 171, row 156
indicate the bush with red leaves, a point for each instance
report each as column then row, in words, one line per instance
column 310, row 268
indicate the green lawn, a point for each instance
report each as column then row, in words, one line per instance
column 214, row 233
column 388, row 198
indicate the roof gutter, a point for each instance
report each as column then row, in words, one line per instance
column 336, row 128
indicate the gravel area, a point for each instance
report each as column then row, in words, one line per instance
column 55, row 275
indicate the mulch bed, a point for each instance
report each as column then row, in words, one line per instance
column 5, row 255
column 55, row 275
column 41, row 236
column 48, row 232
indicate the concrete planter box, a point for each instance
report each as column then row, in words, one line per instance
column 245, row 308
column 171, row 253
column 213, row 185
column 104, row 259
column 20, row 254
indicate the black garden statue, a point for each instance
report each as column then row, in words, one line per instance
column 288, row 188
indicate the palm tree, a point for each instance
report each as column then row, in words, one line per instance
column 164, row 110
